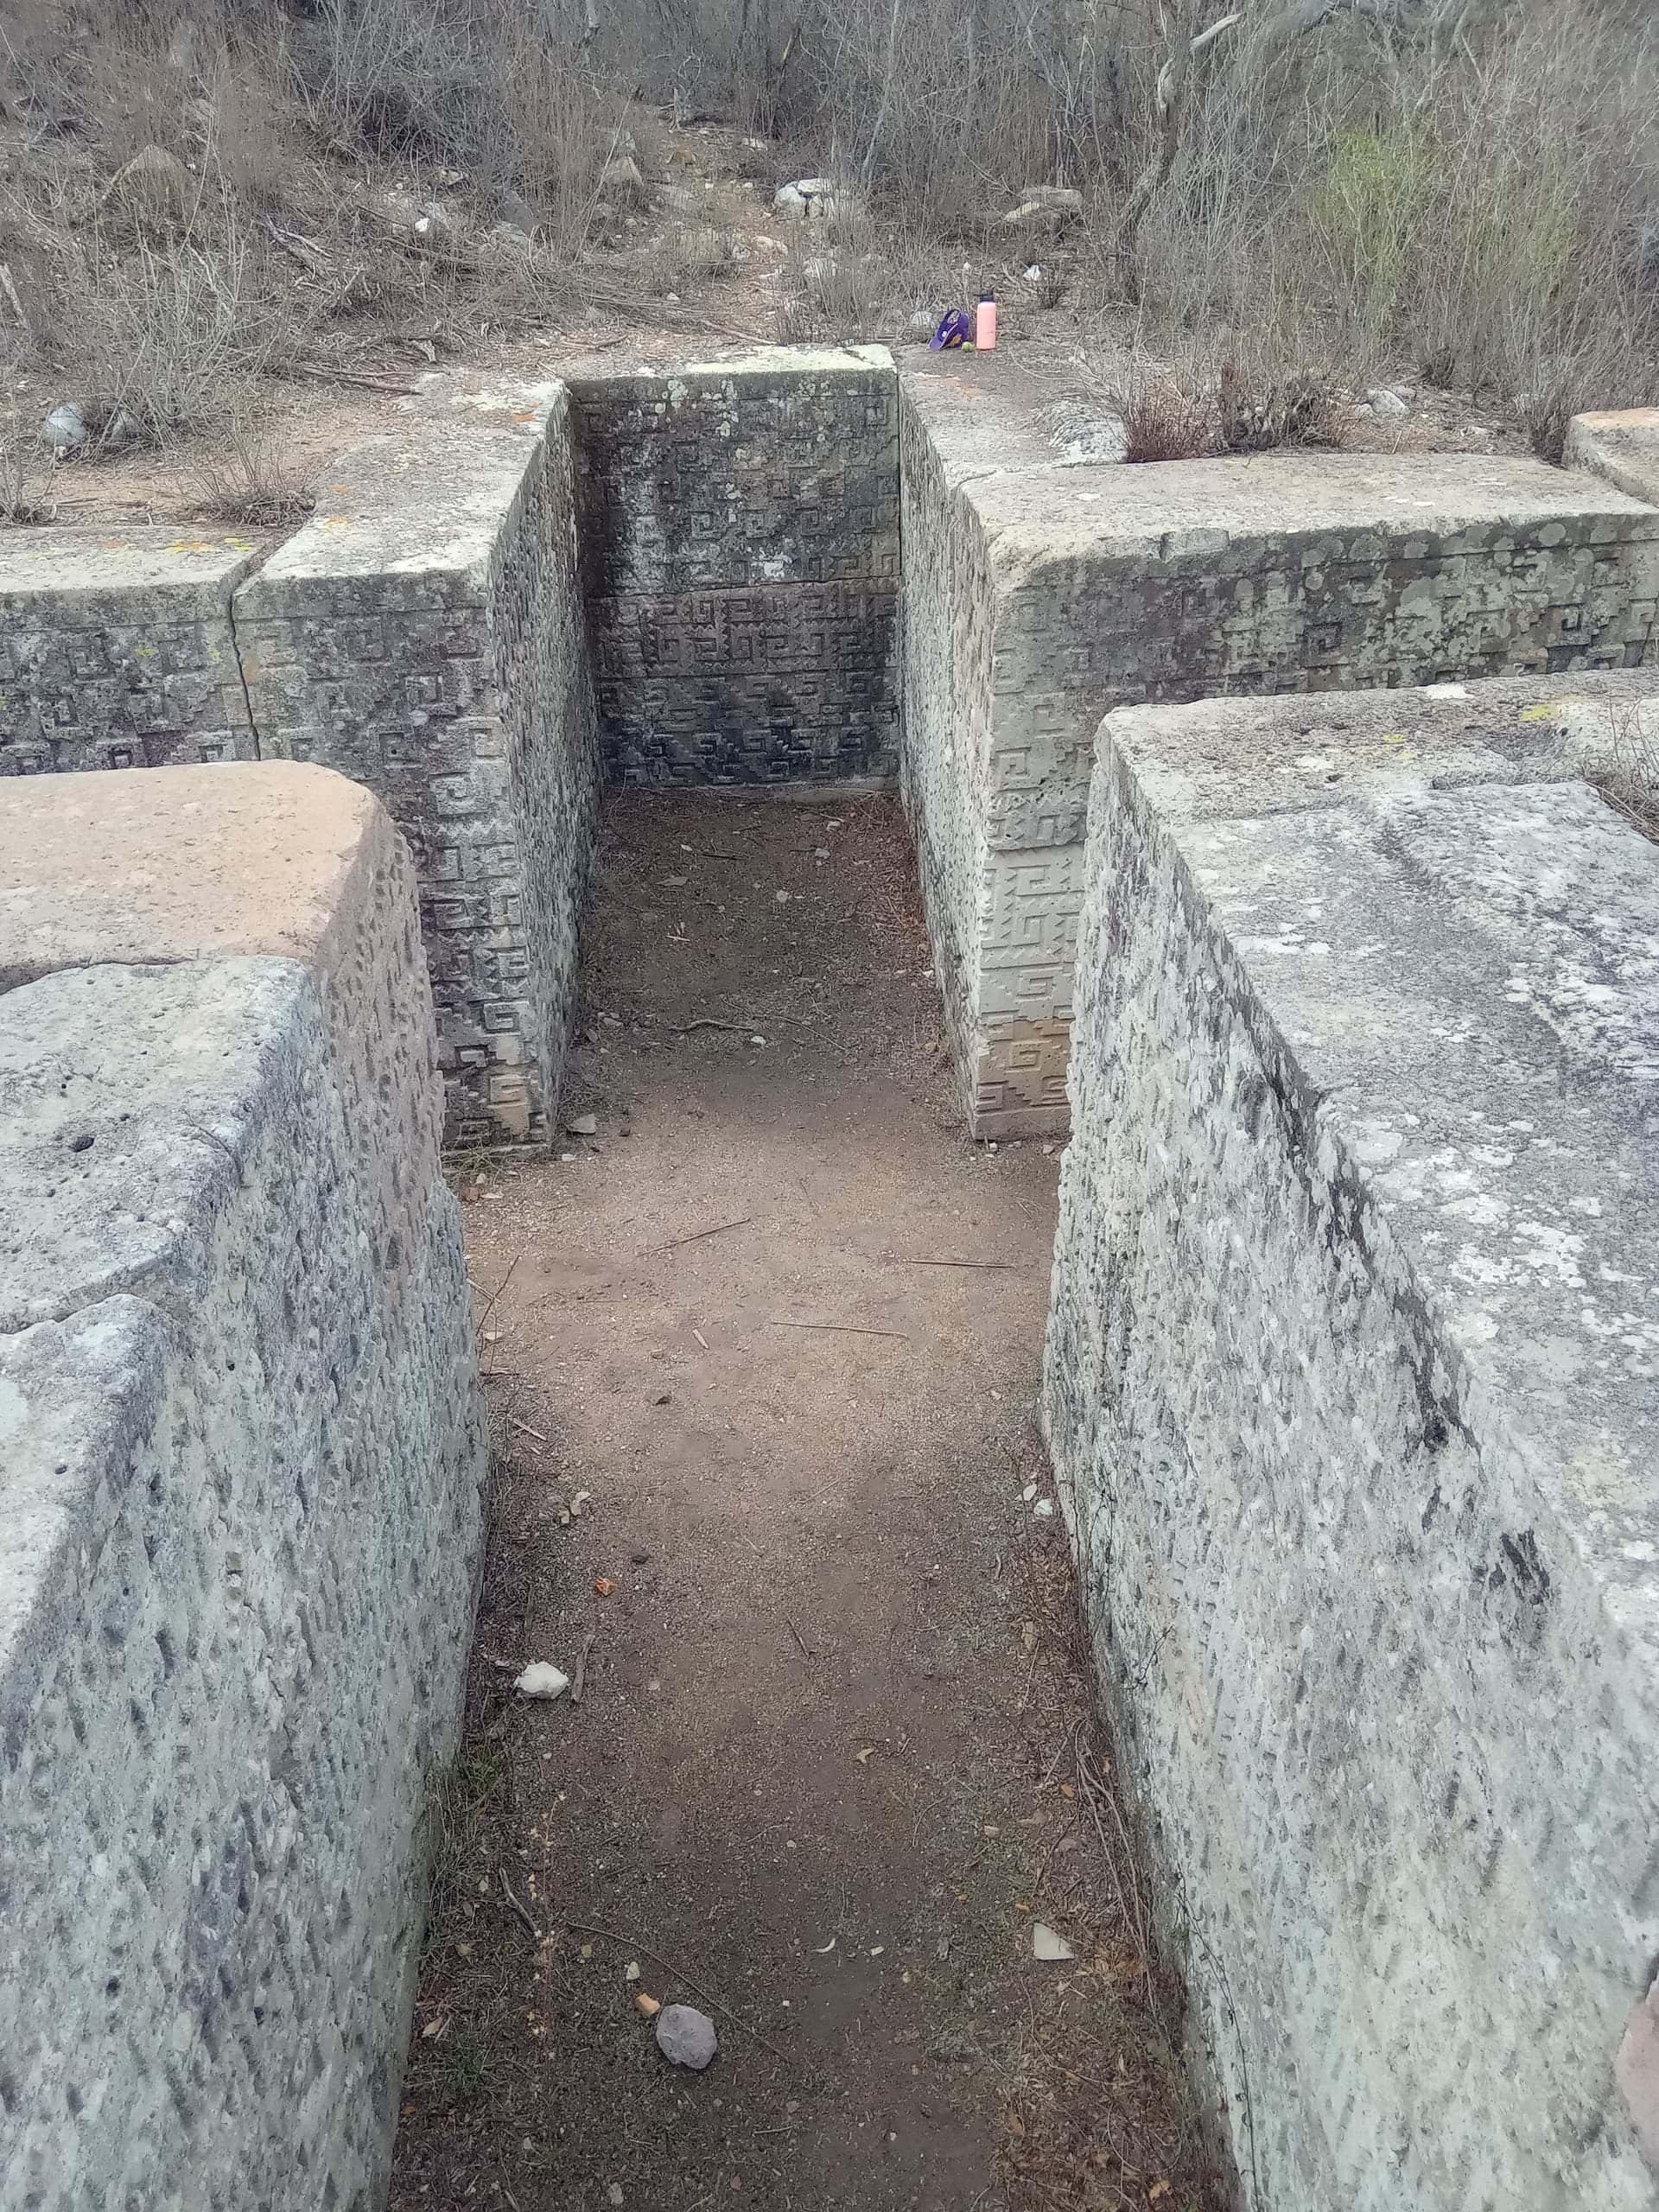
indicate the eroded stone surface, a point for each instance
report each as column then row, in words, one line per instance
column 116, row 651
column 242, row 1464
column 1622, row 445
column 1038, row 597
column 1350, row 1387
column 740, row 535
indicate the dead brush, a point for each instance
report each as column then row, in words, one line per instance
column 163, row 328
column 838, row 282
column 689, row 254
column 828, row 294
column 25, row 470
column 254, row 477
column 1629, row 778
column 1260, row 408
column 1168, row 412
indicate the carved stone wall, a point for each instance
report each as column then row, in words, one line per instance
column 740, row 563
column 116, row 650
column 1038, row 597
column 423, row 636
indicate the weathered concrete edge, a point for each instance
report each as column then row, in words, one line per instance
column 761, row 362
column 377, row 548
column 1621, row 446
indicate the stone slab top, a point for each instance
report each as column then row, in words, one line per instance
column 987, row 413
column 172, row 568
column 422, row 506
column 1623, row 446
column 174, row 864
column 1177, row 509
column 1458, row 989
column 758, row 363
column 1226, row 757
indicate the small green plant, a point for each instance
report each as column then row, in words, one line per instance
column 1365, row 211
column 467, row 2064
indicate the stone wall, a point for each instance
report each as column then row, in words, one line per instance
column 422, row 635
column 1038, row 596
column 116, row 650
column 1350, row 1386
column 244, row 1479
column 740, row 559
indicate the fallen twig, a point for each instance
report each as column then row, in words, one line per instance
column 320, row 373
column 697, row 1235
column 806, row 1650
column 579, row 1679
column 628, row 1943
column 495, row 1297
column 841, row 1329
column 1008, row 1266
column 524, row 1429
column 522, row 1910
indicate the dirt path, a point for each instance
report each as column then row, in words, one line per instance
column 832, row 1760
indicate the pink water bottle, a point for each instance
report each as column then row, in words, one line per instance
column 985, row 325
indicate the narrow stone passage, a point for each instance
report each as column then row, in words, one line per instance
column 832, row 1758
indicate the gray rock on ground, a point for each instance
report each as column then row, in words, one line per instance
column 154, row 184
column 621, row 174
column 686, row 2036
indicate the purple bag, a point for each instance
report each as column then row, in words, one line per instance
column 955, row 329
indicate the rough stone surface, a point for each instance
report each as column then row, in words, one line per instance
column 1350, row 1386
column 243, row 1470
column 116, row 652
column 422, row 635
column 686, row 2036
column 1622, row 445
column 740, row 552
column 269, row 857
column 1036, row 597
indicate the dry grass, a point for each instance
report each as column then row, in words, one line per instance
column 1477, row 212
column 1630, row 781
column 166, row 328
column 1322, row 211
column 1241, row 402
column 26, row 477
column 253, row 476
column 1168, row 413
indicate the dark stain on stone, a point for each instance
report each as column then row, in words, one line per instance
column 1531, row 1575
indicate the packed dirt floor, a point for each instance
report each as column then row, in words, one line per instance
column 781, row 1323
